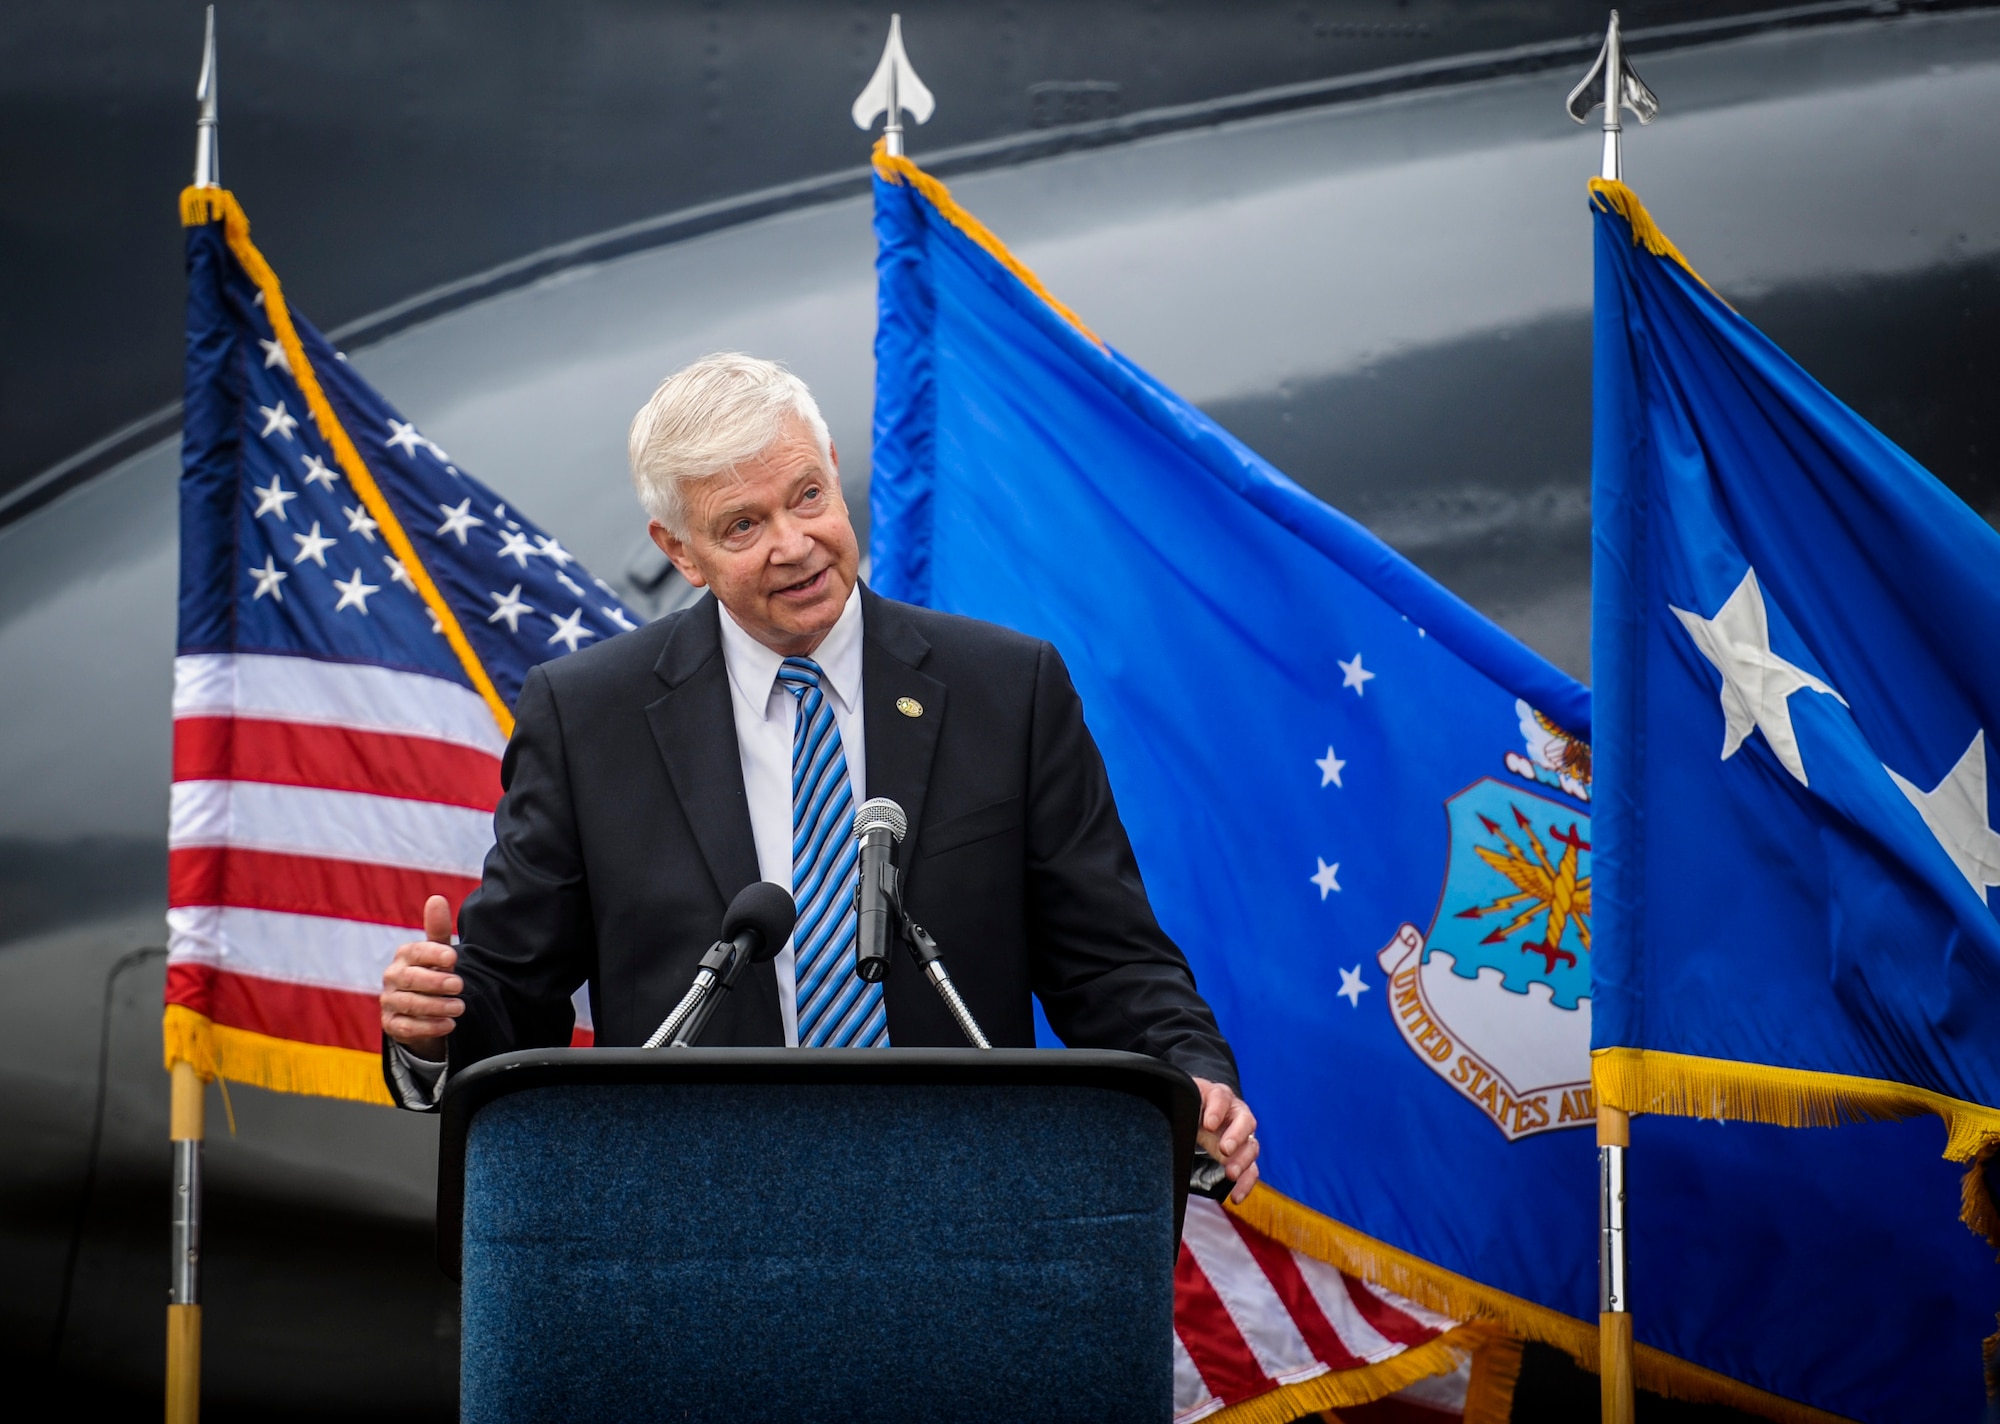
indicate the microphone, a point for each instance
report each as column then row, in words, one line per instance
column 759, row 920
column 754, row 929
column 878, row 826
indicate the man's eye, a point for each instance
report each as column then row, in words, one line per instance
column 741, row 526
column 812, row 493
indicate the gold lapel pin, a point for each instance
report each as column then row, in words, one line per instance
column 909, row 707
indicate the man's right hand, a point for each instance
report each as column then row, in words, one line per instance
column 419, row 990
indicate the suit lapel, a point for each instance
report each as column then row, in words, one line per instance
column 900, row 747
column 694, row 726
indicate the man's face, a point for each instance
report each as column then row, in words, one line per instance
column 772, row 538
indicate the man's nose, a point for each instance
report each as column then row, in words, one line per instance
column 790, row 543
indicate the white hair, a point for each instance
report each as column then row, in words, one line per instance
column 711, row 417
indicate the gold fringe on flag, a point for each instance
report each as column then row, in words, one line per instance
column 1339, row 1389
column 1975, row 1207
column 1612, row 196
column 1640, row 1080
column 1303, row 1229
column 895, row 168
column 203, row 206
column 1496, row 1369
column 280, row 1064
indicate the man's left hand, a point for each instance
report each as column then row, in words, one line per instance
column 1229, row 1135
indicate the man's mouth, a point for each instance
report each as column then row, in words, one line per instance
column 806, row 588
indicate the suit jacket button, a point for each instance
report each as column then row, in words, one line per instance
column 909, row 707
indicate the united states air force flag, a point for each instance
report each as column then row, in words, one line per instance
column 1365, row 813
column 356, row 617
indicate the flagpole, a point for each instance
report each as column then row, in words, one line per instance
column 1614, row 1320
column 207, row 159
column 1611, row 167
column 894, row 89
column 186, row 1119
column 186, row 1129
column 1614, row 86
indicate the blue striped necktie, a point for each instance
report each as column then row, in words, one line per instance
column 836, row 1010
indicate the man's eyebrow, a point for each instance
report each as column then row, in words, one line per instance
column 730, row 513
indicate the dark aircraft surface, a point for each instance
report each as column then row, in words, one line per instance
column 1382, row 282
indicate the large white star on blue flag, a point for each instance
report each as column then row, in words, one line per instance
column 1757, row 684
column 1955, row 811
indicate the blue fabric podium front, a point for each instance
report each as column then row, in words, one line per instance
column 815, row 1234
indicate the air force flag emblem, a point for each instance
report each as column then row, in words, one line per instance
column 1495, row 997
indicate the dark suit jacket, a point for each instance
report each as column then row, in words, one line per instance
column 624, row 832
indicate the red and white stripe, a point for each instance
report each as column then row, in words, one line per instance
column 316, row 805
column 1251, row 1315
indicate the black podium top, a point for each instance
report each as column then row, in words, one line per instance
column 1166, row 1088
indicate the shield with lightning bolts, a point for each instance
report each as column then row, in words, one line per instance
column 1496, row 996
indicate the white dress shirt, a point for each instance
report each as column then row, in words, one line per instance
column 765, row 712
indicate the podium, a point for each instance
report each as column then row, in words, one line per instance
column 814, row 1235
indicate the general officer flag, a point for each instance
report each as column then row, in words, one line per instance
column 1364, row 812
column 357, row 614
column 1795, row 625
column 1791, row 628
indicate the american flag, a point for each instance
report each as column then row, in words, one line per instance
column 357, row 614
column 1265, row 1333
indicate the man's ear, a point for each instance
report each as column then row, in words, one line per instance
column 676, row 549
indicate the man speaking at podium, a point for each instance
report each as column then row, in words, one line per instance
column 653, row 776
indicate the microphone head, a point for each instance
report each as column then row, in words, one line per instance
column 766, row 910
column 877, row 813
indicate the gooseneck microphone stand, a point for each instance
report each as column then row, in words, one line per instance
column 716, row 976
column 698, row 1016
column 924, row 949
column 704, row 980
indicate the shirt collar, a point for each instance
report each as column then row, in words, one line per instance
column 753, row 668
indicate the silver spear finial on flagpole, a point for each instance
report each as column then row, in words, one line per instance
column 207, row 163
column 893, row 90
column 1613, row 86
